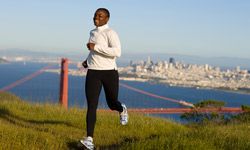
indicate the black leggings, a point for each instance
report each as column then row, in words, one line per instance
column 95, row 79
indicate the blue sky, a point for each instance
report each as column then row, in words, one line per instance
column 190, row 27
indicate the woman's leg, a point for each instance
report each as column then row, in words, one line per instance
column 93, row 87
column 111, row 87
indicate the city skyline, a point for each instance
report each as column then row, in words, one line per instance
column 203, row 28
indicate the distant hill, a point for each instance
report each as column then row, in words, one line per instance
column 80, row 55
column 2, row 60
column 228, row 62
column 24, row 52
column 75, row 55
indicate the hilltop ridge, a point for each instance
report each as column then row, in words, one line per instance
column 49, row 126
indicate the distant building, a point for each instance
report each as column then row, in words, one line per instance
column 238, row 69
column 19, row 59
column 171, row 60
column 206, row 67
column 131, row 63
column 149, row 60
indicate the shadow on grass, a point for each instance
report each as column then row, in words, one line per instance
column 76, row 145
column 5, row 114
column 73, row 145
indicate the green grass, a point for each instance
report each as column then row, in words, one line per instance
column 44, row 126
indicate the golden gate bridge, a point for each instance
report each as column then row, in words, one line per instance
column 64, row 70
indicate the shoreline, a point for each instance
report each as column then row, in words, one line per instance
column 239, row 91
column 74, row 72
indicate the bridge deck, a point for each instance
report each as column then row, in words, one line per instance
column 182, row 110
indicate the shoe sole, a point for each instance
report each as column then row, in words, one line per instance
column 84, row 146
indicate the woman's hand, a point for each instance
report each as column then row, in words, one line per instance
column 85, row 64
column 90, row 46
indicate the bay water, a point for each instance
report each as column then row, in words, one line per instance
column 45, row 89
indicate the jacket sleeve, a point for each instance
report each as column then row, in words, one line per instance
column 114, row 46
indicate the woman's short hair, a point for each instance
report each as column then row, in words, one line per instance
column 105, row 10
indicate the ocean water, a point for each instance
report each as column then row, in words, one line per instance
column 45, row 88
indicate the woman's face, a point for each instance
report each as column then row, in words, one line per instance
column 100, row 18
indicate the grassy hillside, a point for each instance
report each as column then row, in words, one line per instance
column 44, row 126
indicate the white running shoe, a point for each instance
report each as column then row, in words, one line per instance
column 124, row 115
column 87, row 143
